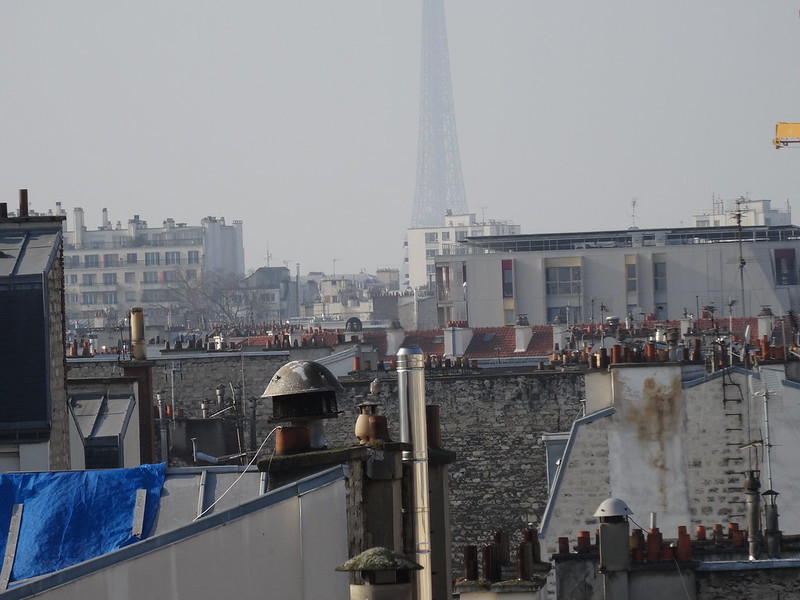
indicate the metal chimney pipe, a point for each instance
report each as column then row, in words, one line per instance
column 162, row 426
column 411, row 384
column 23, row 203
column 752, row 487
column 137, row 334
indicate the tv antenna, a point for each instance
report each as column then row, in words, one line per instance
column 633, row 213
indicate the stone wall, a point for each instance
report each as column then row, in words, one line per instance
column 765, row 584
column 492, row 421
column 59, row 424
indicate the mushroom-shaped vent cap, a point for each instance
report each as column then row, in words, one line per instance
column 302, row 377
column 379, row 559
column 613, row 507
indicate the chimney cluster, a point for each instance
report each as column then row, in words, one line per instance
column 23, row 206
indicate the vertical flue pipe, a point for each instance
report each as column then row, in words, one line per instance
column 137, row 334
column 411, row 370
column 162, row 426
column 23, row 203
column 752, row 487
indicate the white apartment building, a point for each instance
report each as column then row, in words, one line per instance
column 110, row 269
column 424, row 244
column 657, row 273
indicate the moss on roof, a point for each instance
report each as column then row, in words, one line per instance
column 379, row 559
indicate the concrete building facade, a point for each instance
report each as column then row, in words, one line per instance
column 634, row 273
column 423, row 244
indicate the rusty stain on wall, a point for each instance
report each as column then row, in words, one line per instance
column 657, row 418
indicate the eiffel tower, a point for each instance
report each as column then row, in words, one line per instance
column 440, row 185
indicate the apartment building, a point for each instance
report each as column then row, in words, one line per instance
column 112, row 268
column 424, row 244
column 655, row 273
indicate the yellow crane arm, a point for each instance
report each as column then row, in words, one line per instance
column 786, row 133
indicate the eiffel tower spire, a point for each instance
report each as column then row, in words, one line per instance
column 440, row 185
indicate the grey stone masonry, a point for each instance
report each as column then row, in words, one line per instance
column 492, row 421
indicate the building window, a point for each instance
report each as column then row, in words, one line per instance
column 430, row 269
column 172, row 258
column 72, row 262
column 171, row 276
column 72, row 279
column 431, row 237
column 191, row 274
column 152, row 259
column 130, row 277
column 150, row 277
column 703, row 223
column 91, row 261
column 109, row 297
column 445, row 236
column 461, row 236
column 568, row 314
column 476, row 233
column 630, row 277
column 785, row 267
column 109, row 279
column 659, row 276
column 508, row 313
column 563, row 280
column 90, row 298
column 132, row 258
column 194, row 257
column 430, row 253
column 110, row 260
column 87, row 280
column 130, row 296
column 508, row 279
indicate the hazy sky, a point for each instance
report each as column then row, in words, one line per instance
column 299, row 117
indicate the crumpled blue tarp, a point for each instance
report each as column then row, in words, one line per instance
column 70, row 517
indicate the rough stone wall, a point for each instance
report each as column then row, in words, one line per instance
column 493, row 423
column 764, row 584
column 59, row 425
column 585, row 478
column 715, row 463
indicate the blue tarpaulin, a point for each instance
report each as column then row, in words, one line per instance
column 73, row 516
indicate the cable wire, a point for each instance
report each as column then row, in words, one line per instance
column 250, row 464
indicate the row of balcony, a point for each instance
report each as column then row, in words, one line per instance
column 134, row 265
column 134, row 243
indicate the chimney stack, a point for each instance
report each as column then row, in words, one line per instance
column 23, row 203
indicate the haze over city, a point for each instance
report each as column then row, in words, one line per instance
column 300, row 118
